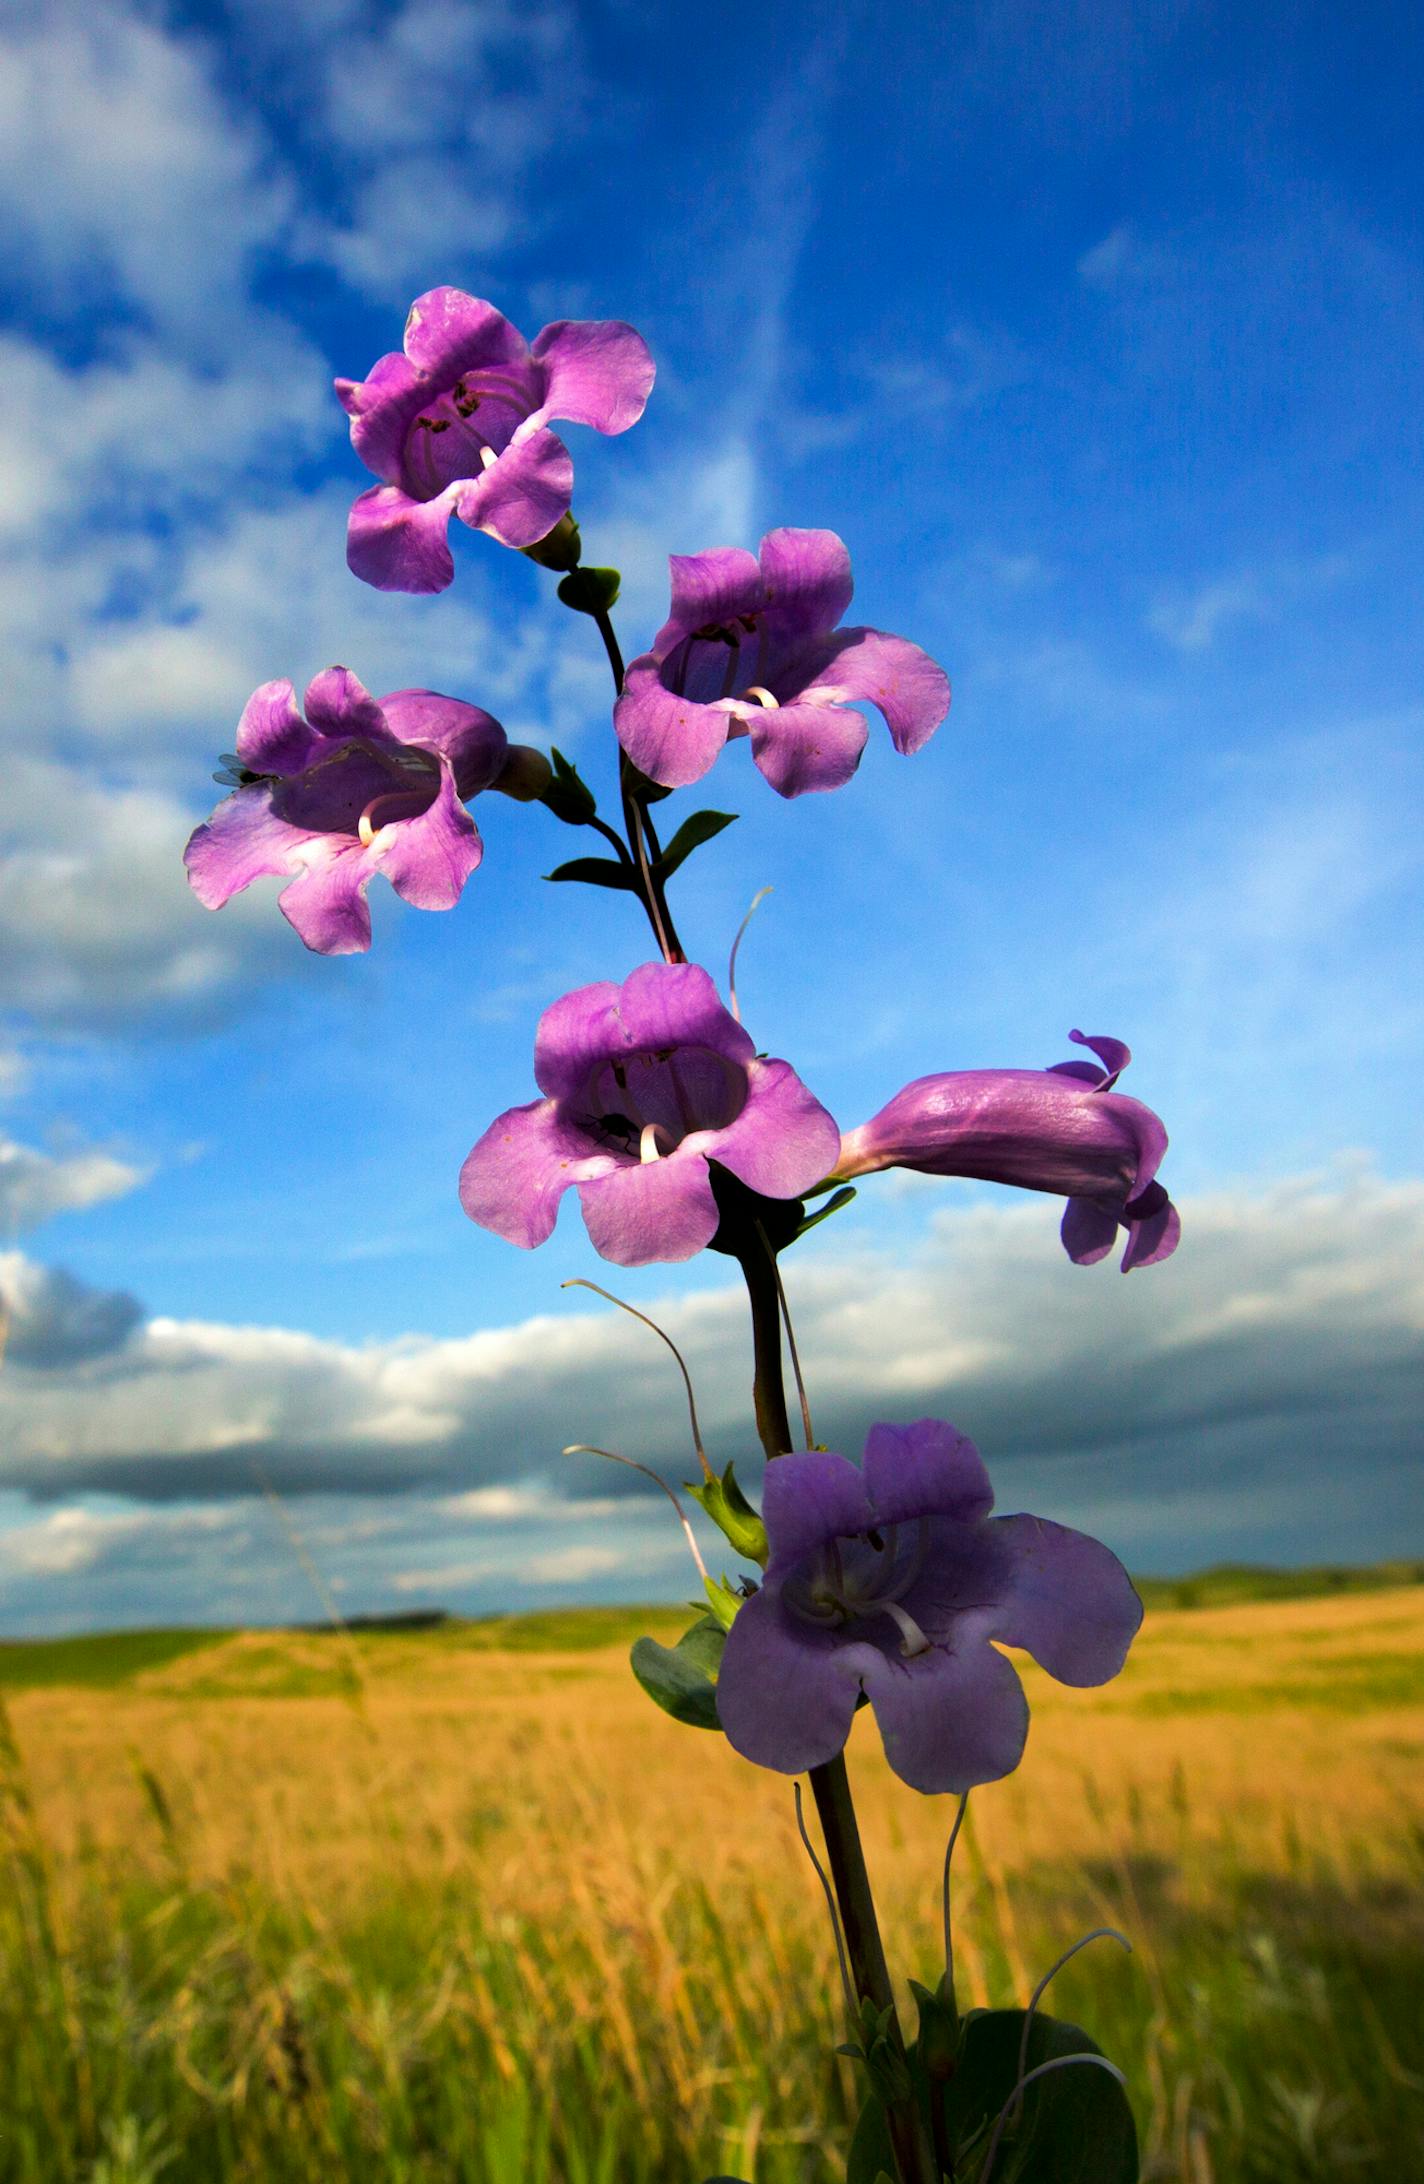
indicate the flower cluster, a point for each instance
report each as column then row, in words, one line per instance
column 890, row 1582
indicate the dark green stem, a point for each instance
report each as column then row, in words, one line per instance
column 635, row 818
column 830, row 1784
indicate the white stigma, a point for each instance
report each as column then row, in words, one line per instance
column 763, row 697
column 913, row 1639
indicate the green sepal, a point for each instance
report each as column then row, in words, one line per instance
column 833, row 1204
column 642, row 785
column 725, row 1602
column 568, row 795
column 597, row 872
column 870, row 2147
column 697, row 828
column 733, row 1514
column 559, row 548
column 682, row 1679
column 590, row 591
column 937, row 2042
column 1075, row 2127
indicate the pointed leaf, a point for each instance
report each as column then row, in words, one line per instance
column 833, row 1204
column 1076, row 2125
column 699, row 827
column 596, row 872
column 682, row 1679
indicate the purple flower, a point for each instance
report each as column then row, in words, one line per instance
column 893, row 1580
column 458, row 425
column 753, row 649
column 644, row 1083
column 361, row 786
column 1063, row 1130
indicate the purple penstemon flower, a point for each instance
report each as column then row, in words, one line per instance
column 894, row 1580
column 643, row 1084
column 1063, row 1130
column 361, row 785
column 457, row 425
column 752, row 648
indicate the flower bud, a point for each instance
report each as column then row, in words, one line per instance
column 525, row 775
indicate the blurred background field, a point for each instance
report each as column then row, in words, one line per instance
column 458, row 1903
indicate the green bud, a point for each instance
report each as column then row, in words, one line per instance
column 590, row 591
column 567, row 795
column 733, row 1514
column 526, row 775
column 725, row 1602
column 939, row 2030
column 559, row 548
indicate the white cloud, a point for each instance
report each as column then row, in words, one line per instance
column 34, row 1186
column 120, row 164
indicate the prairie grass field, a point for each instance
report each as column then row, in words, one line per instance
column 460, row 1904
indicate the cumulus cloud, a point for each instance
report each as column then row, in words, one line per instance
column 1286, row 1342
column 54, row 1321
column 34, row 1186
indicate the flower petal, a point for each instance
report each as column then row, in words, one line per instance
column 272, row 737
column 399, row 544
column 381, row 408
column 598, row 372
column 708, row 588
column 801, row 748
column 448, row 331
column 514, row 1177
column 653, row 1209
column 786, row 1693
column 672, row 740
column 808, row 1499
column 1030, row 1127
column 339, row 704
column 950, row 1718
column 783, row 1141
column 925, row 1469
column 866, row 665
column 428, row 859
column 1089, row 1229
column 243, row 841
column 1070, row 1603
column 1154, row 1228
column 326, row 903
column 470, row 738
column 523, row 494
column 807, row 581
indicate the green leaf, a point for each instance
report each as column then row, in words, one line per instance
column 833, row 1204
column 871, row 2153
column 682, row 1679
column 697, row 828
column 1076, row 2126
column 596, row 872
column 568, row 795
column 590, row 591
column 725, row 1602
column 733, row 1514
column 642, row 785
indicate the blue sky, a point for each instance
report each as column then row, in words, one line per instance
column 1096, row 332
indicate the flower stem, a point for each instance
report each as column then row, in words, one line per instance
column 830, row 1784
column 635, row 819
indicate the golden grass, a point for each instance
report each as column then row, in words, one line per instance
column 576, row 1824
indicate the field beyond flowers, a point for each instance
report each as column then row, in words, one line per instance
column 460, row 1904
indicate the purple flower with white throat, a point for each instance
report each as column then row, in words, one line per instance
column 894, row 1580
column 643, row 1085
column 1064, row 1130
column 457, row 425
column 753, row 648
column 361, row 785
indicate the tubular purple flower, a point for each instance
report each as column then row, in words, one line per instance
column 894, row 1580
column 643, row 1084
column 361, row 785
column 1063, row 1130
column 457, row 425
column 753, row 648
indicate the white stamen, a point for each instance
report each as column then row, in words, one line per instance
column 648, row 1142
column 365, row 829
column 763, row 697
column 914, row 1639
column 488, row 458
